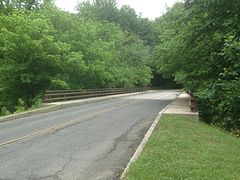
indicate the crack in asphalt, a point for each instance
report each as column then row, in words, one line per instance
column 117, row 141
column 93, row 149
column 136, row 132
column 64, row 166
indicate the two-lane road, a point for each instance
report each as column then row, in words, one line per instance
column 89, row 141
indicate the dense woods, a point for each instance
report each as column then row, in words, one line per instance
column 43, row 48
column 195, row 44
column 200, row 49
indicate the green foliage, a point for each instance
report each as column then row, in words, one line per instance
column 106, row 11
column 42, row 47
column 30, row 57
column 4, row 111
column 99, row 10
column 21, row 106
column 37, row 101
column 200, row 48
column 8, row 6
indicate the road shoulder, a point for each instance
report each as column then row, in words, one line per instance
column 182, row 147
column 179, row 106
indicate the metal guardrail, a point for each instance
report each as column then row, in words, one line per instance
column 66, row 95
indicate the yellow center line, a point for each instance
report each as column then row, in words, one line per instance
column 61, row 126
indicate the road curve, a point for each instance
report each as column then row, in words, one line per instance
column 89, row 141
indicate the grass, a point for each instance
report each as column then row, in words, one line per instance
column 184, row 148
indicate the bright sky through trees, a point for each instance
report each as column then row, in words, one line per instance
column 148, row 8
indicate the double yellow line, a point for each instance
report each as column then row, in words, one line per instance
column 61, row 126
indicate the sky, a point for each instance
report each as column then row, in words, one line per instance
column 147, row 8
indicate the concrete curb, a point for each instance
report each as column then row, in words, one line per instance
column 148, row 135
column 146, row 138
column 143, row 143
column 53, row 107
column 29, row 113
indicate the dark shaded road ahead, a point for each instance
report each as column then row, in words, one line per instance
column 89, row 141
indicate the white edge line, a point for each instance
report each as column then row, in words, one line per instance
column 144, row 141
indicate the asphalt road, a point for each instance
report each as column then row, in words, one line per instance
column 89, row 141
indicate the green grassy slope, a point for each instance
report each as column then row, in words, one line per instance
column 183, row 148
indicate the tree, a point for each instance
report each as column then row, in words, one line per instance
column 6, row 6
column 45, row 48
column 99, row 10
column 30, row 57
column 199, row 48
